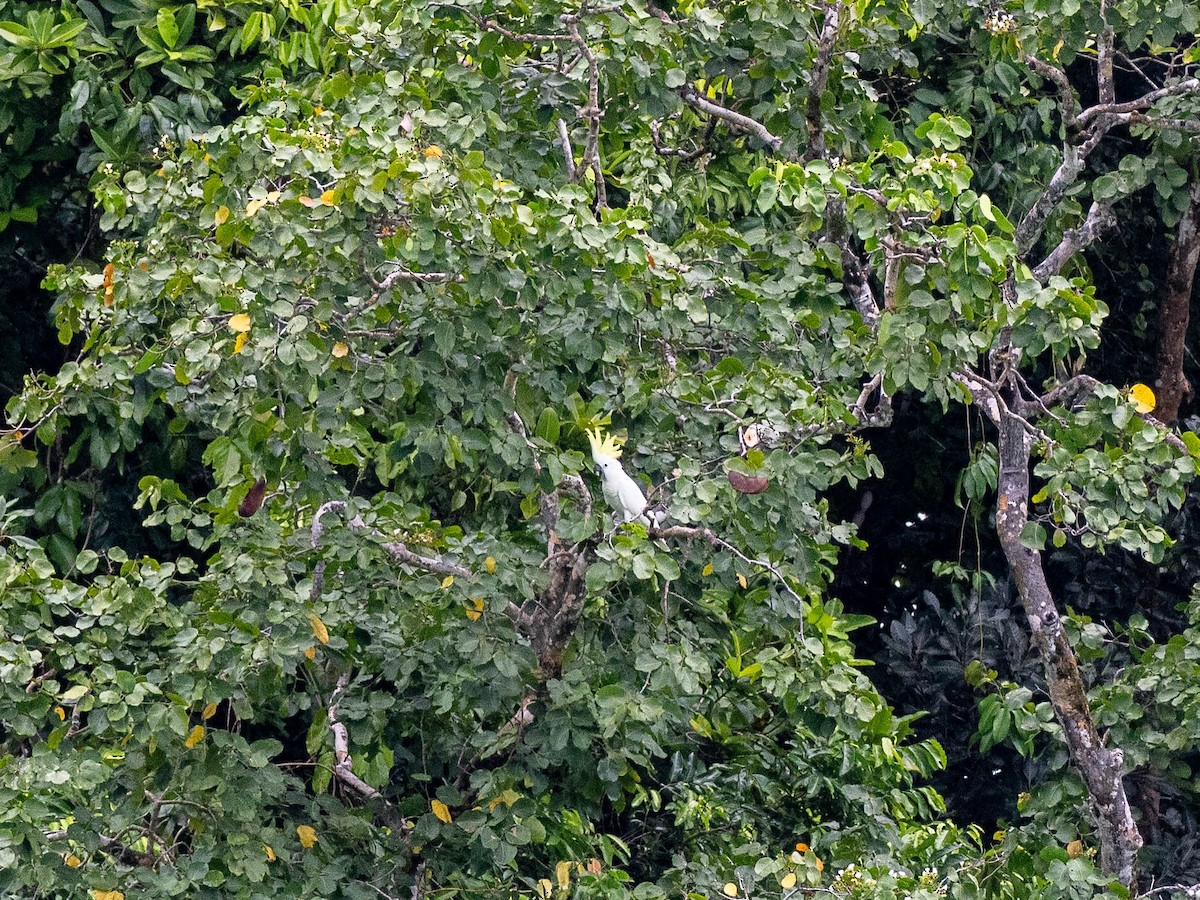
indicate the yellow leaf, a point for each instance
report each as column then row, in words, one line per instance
column 562, row 874
column 1143, row 398
column 730, row 889
column 239, row 343
column 307, row 835
column 788, row 881
column 327, row 197
column 339, row 350
column 490, row 565
column 476, row 609
column 1057, row 48
column 708, row 570
column 820, row 866
column 209, row 712
column 742, row 580
column 269, row 852
column 802, row 847
column 545, row 889
column 195, row 736
column 222, row 215
column 317, row 110
column 239, row 323
column 433, row 152
column 1075, row 849
column 310, row 652
column 254, row 206
column 71, row 860
column 62, row 713
column 441, row 810
column 320, row 632
column 447, row 581
column 98, row 894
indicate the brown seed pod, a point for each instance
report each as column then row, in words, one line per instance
column 747, row 484
column 253, row 499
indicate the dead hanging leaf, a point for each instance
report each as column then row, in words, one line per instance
column 545, row 889
column 109, row 273
column 254, row 498
column 239, row 323
column 730, row 889
column 310, row 653
column 269, row 853
column 222, row 215
column 475, row 610
column 239, row 343
column 747, row 484
column 340, row 349
column 742, row 580
column 1075, row 849
column 209, row 712
column 61, row 713
column 562, row 874
column 72, row 861
column 441, row 810
column 320, row 632
column 195, row 736
column 307, row 835
column 594, row 866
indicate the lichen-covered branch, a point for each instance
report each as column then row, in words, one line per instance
column 819, row 79
column 735, row 119
column 1102, row 768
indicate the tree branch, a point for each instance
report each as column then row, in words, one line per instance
column 1099, row 220
column 694, row 98
column 819, row 79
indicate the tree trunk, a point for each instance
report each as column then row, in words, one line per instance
column 1100, row 767
column 1171, row 386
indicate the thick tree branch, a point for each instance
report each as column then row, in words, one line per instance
column 1171, row 384
column 343, row 767
column 1092, row 113
column 819, row 80
column 1099, row 220
column 744, row 123
column 1100, row 767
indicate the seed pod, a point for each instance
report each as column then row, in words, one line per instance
column 253, row 499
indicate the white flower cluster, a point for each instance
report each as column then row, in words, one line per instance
column 999, row 22
column 925, row 165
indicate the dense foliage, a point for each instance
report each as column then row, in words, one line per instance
column 307, row 586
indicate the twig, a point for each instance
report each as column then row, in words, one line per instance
column 707, row 534
column 343, row 768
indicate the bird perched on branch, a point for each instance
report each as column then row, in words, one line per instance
column 624, row 495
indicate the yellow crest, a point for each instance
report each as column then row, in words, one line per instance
column 604, row 444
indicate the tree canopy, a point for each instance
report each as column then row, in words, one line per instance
column 308, row 585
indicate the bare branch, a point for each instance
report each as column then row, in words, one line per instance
column 1104, row 58
column 1099, row 219
column 1186, row 86
column 694, row 98
column 343, row 768
column 568, row 154
column 1068, row 106
column 593, row 112
column 397, row 549
column 707, row 534
column 1030, row 227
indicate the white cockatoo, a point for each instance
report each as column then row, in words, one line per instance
column 623, row 494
